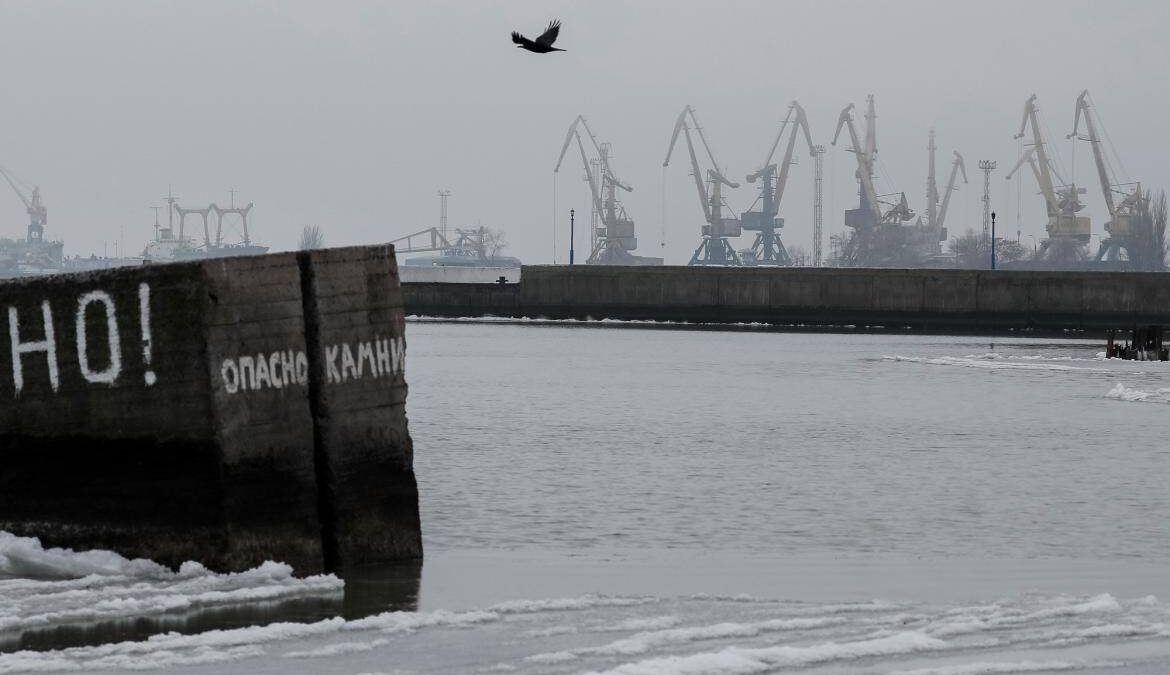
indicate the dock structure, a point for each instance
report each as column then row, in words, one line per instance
column 227, row 411
column 978, row 301
column 1145, row 343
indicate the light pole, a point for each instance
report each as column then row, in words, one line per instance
column 572, row 222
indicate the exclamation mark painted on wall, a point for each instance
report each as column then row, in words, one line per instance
column 144, row 315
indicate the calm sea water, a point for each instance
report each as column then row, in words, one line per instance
column 636, row 499
column 572, row 439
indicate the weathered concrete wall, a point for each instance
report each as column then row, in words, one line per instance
column 228, row 411
column 922, row 299
column 359, row 406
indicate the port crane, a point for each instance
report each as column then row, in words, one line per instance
column 1067, row 232
column 880, row 238
column 1124, row 215
column 612, row 230
column 37, row 214
column 936, row 208
column 957, row 167
column 714, row 249
column 768, row 249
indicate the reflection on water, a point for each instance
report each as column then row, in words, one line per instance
column 374, row 589
column 368, row 590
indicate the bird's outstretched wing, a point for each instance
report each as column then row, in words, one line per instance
column 549, row 36
column 521, row 40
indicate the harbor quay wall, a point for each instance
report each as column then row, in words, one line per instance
column 923, row 299
column 227, row 411
column 451, row 274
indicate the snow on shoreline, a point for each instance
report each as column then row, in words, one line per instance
column 52, row 587
column 694, row 635
column 25, row 557
column 984, row 363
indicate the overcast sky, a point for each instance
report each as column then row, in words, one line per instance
column 351, row 115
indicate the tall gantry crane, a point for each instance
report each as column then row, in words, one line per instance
column 612, row 230
column 1067, row 232
column 37, row 214
column 768, row 249
column 714, row 249
column 1123, row 225
column 879, row 236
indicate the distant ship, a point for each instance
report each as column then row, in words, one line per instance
column 34, row 256
column 171, row 246
column 30, row 257
column 457, row 257
column 472, row 248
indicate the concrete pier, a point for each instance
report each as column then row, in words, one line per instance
column 934, row 300
column 228, row 411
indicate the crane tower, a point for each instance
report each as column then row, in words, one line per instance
column 986, row 166
column 931, row 184
column 818, row 202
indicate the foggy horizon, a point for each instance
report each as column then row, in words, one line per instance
column 353, row 116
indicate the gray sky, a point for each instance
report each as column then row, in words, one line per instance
column 351, row 115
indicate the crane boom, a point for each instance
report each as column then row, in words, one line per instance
column 15, row 188
column 1028, row 156
column 33, row 206
column 1107, row 183
column 956, row 167
column 1044, row 175
column 801, row 123
column 568, row 140
column 700, row 186
column 864, row 161
column 775, row 144
column 595, row 189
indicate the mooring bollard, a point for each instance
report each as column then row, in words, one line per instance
column 228, row 411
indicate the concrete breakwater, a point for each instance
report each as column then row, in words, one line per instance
column 228, row 411
column 943, row 300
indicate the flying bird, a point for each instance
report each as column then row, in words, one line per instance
column 542, row 44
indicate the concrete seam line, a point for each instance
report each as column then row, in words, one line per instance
column 326, row 513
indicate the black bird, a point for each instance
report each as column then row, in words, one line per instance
column 542, row 44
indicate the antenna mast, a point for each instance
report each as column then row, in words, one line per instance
column 818, row 201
